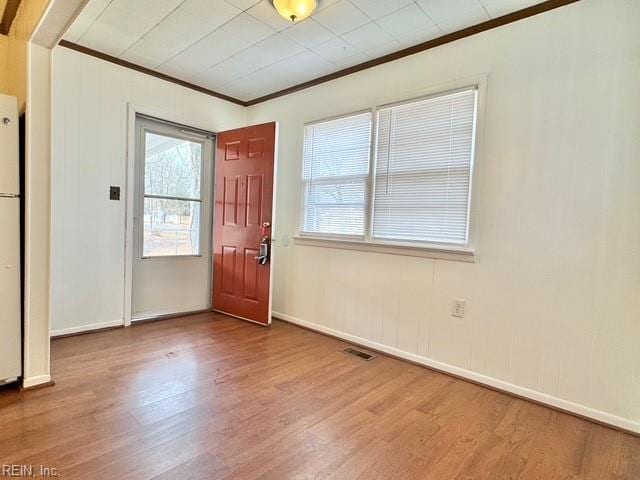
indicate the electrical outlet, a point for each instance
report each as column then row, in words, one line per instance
column 458, row 307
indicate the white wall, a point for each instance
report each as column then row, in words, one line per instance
column 553, row 300
column 30, row 41
column 90, row 99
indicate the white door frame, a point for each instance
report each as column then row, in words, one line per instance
column 129, row 194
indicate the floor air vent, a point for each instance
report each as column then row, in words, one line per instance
column 357, row 353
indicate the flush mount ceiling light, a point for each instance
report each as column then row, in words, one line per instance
column 295, row 10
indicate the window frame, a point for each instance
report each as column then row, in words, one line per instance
column 466, row 252
column 186, row 136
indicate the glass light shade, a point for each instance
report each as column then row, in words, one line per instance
column 295, row 10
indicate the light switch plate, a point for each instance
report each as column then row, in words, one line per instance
column 114, row 193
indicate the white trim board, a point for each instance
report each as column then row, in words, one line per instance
column 35, row 381
column 538, row 397
column 85, row 328
column 461, row 255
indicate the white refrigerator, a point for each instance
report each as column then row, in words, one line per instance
column 10, row 311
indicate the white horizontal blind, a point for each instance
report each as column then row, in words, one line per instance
column 424, row 159
column 335, row 176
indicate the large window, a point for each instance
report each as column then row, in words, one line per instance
column 414, row 187
column 423, row 169
column 172, row 196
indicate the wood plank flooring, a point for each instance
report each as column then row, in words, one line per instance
column 211, row 397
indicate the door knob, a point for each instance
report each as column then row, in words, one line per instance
column 263, row 254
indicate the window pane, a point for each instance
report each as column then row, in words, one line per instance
column 337, row 147
column 172, row 166
column 423, row 169
column 171, row 227
column 335, row 207
column 335, row 171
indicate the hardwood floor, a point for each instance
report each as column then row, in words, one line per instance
column 211, row 397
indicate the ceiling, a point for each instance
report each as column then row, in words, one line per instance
column 244, row 49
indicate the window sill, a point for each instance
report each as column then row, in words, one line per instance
column 430, row 251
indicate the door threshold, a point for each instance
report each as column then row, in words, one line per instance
column 166, row 316
column 242, row 318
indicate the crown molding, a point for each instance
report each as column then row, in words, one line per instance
column 421, row 47
column 148, row 71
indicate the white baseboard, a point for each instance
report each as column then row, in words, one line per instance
column 85, row 328
column 35, row 381
column 536, row 396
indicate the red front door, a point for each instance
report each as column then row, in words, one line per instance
column 244, row 201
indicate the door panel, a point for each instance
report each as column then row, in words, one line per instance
column 172, row 220
column 244, row 202
column 251, row 274
column 230, row 205
column 254, row 200
column 227, row 276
